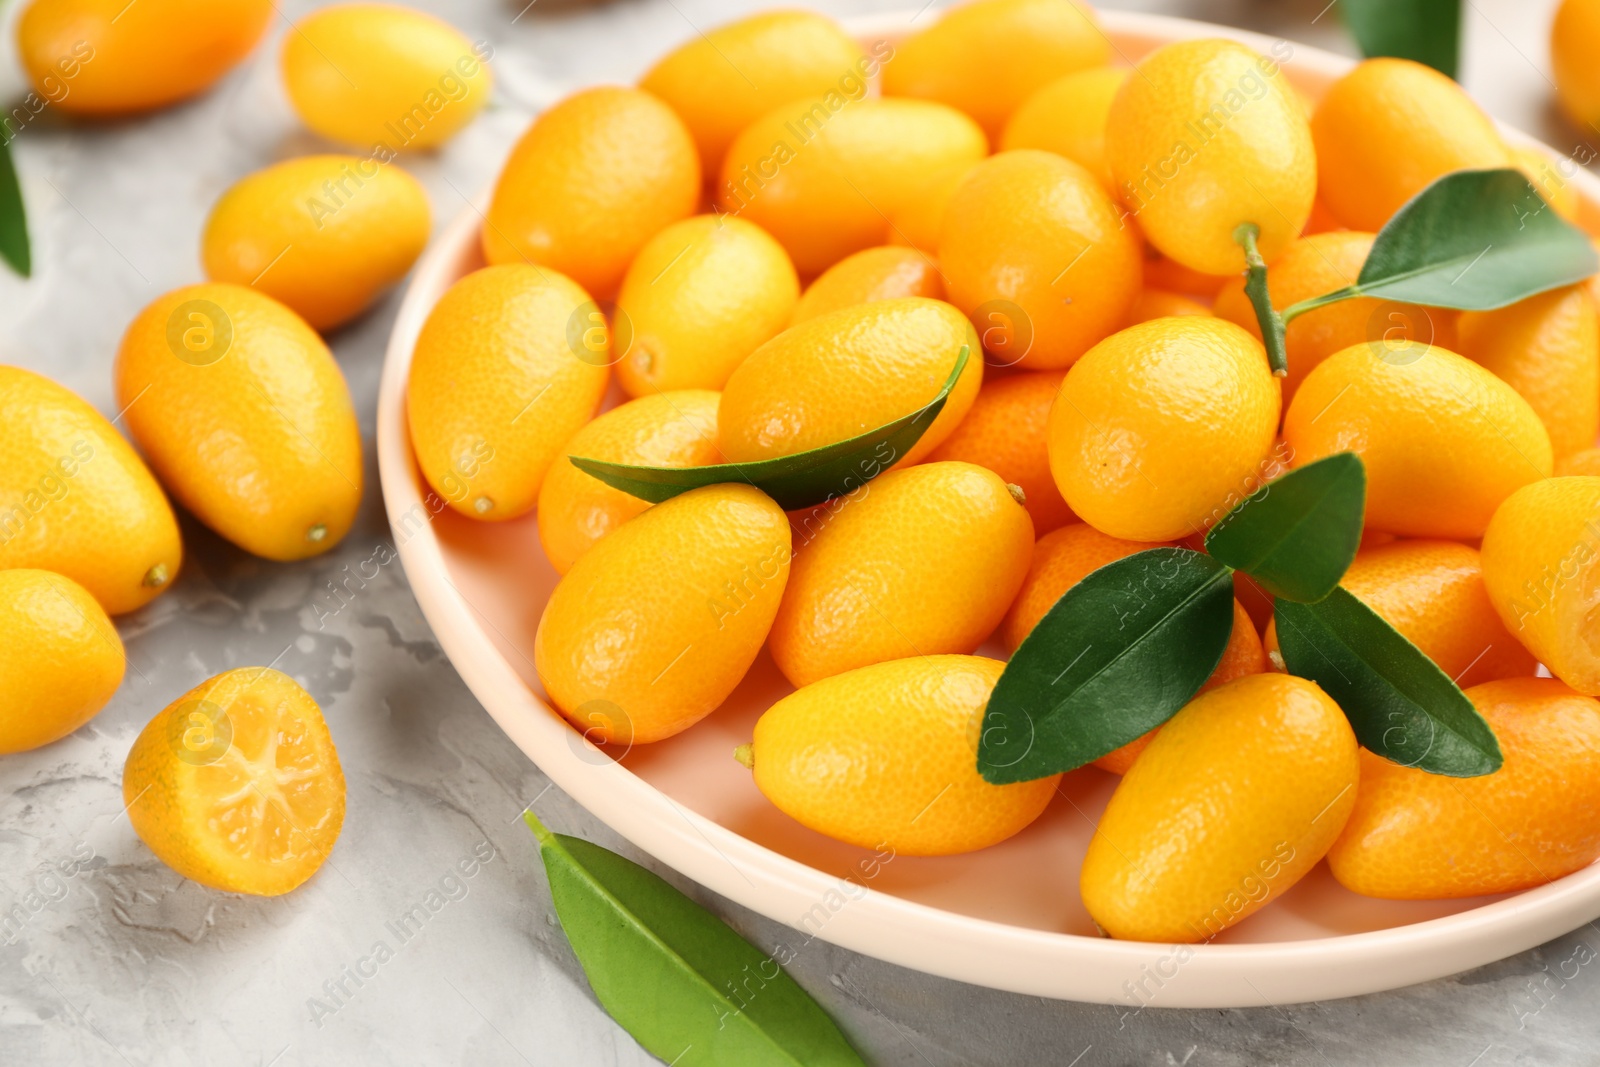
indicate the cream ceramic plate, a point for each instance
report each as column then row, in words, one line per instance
column 1008, row 917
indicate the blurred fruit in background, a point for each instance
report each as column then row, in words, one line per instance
column 381, row 77
column 113, row 57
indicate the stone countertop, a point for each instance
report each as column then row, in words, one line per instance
column 112, row 958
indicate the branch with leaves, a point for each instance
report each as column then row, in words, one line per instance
column 1128, row 646
column 1474, row 240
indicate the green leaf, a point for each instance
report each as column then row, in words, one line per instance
column 689, row 989
column 1428, row 31
column 1115, row 657
column 802, row 480
column 1401, row 705
column 1473, row 240
column 13, row 218
column 1297, row 535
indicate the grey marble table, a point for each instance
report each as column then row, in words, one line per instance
column 111, row 958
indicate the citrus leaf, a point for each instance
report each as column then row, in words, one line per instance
column 13, row 217
column 677, row 978
column 802, row 480
column 1400, row 704
column 1473, row 240
column 1428, row 31
column 1296, row 535
column 1116, row 656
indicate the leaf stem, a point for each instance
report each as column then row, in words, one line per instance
column 539, row 829
column 1294, row 311
column 1255, row 287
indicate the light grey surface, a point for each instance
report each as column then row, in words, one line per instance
column 118, row 960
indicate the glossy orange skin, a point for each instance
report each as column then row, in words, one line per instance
column 1160, row 304
column 1443, row 440
column 788, row 54
column 921, row 215
column 1586, row 462
column 1433, row 593
column 1321, row 264
column 497, row 387
column 1005, row 432
column 1553, row 187
column 630, row 650
column 1539, row 557
column 261, row 442
column 109, row 57
column 1420, row 836
column 76, row 499
column 883, row 758
column 882, row 273
column 986, row 57
column 1068, row 117
column 1241, row 793
column 1207, row 136
column 841, row 374
column 1162, row 427
column 1061, row 559
column 825, row 176
column 325, row 235
column 1574, row 49
column 1172, row 276
column 60, row 658
column 590, row 182
column 1321, row 220
column 1035, row 231
column 1547, row 348
column 382, row 76
column 577, row 510
column 1387, row 129
column 924, row 561
column 700, row 296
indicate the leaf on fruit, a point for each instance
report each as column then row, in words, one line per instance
column 1428, row 31
column 1400, row 704
column 677, row 978
column 1116, row 656
column 802, row 480
column 1473, row 240
column 1297, row 535
column 14, row 247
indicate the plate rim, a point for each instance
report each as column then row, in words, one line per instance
column 920, row 936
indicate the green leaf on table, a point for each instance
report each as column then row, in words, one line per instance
column 1474, row 240
column 14, row 247
column 689, row 989
column 1115, row 657
column 1297, row 534
column 1400, row 704
column 802, row 480
column 1428, row 31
